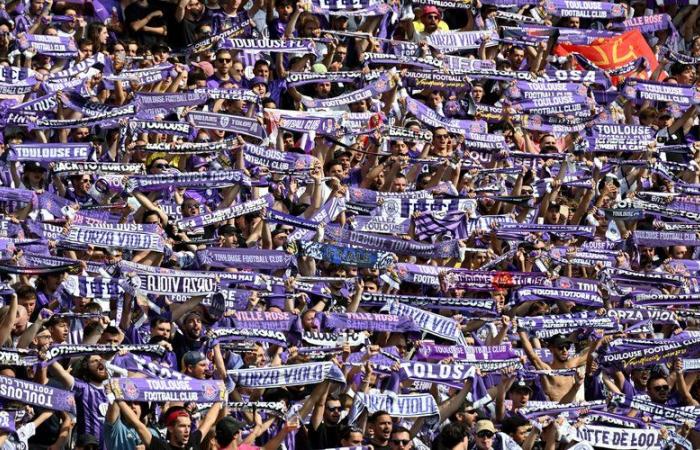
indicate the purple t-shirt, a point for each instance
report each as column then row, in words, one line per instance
column 276, row 28
column 91, row 408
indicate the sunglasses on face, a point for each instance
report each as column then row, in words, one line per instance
column 401, row 442
column 333, row 408
column 224, row 60
column 662, row 388
column 485, row 434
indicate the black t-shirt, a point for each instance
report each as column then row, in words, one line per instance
column 183, row 344
column 324, row 436
column 135, row 12
column 161, row 444
column 381, row 447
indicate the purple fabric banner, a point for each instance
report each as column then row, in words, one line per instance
column 367, row 321
column 245, row 258
column 586, row 9
column 42, row 152
column 225, row 122
column 377, row 87
column 38, row 395
column 159, row 390
column 221, row 215
column 276, row 160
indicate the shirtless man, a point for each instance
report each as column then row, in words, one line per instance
column 557, row 388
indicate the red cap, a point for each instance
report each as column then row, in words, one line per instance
column 432, row 10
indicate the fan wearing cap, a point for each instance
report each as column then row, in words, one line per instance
column 195, row 364
column 178, row 424
column 484, row 434
column 259, row 86
column 33, row 176
column 519, row 393
column 430, row 22
column 558, row 387
column 190, row 336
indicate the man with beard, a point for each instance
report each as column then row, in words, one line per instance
column 658, row 389
column 380, row 425
column 557, row 387
column 190, row 336
column 90, row 398
column 637, row 382
column 325, row 423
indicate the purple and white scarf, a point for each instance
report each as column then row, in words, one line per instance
column 368, row 321
column 162, row 127
column 164, row 181
column 160, row 390
column 107, row 237
column 381, row 85
column 187, row 223
column 432, row 323
column 276, row 160
column 452, row 42
column 640, row 91
column 245, row 258
column 292, row 375
column 234, row 124
column 585, row 298
column 480, row 306
column 586, row 9
column 55, row 46
column 38, row 395
column 397, row 405
column 270, row 45
column 46, row 152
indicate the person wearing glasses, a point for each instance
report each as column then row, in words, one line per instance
column 79, row 194
column 558, row 388
column 485, row 432
column 223, row 62
column 325, row 430
column 658, row 389
column 400, row 439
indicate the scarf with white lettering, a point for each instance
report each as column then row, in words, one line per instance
column 37, row 395
column 444, row 327
column 408, row 405
column 629, row 353
column 291, row 375
column 160, row 390
column 220, row 215
column 114, row 238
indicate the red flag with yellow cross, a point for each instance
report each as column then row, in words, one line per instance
column 612, row 54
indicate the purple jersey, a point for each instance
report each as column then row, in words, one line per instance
column 91, row 406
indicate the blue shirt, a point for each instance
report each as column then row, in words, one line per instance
column 118, row 436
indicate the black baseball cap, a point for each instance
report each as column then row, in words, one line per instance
column 226, row 430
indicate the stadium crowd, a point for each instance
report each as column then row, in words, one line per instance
column 368, row 224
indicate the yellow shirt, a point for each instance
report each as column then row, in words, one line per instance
column 419, row 27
